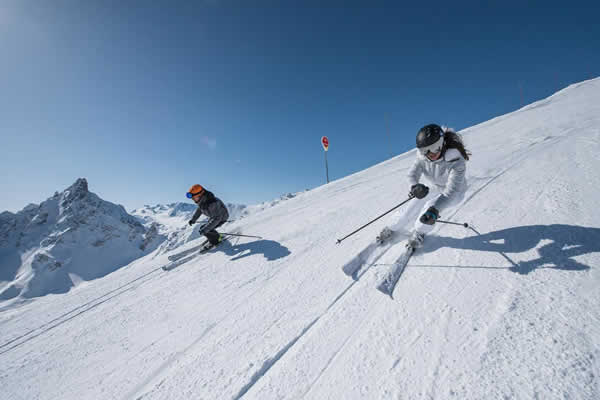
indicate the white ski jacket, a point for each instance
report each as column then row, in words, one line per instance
column 447, row 174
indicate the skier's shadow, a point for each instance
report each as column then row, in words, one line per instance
column 565, row 243
column 270, row 249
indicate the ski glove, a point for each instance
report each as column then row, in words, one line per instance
column 419, row 190
column 190, row 223
column 430, row 216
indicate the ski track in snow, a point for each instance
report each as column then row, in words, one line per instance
column 337, row 351
column 161, row 372
column 280, row 354
column 148, row 384
column 74, row 313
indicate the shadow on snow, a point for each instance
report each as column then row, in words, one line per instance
column 270, row 249
column 565, row 243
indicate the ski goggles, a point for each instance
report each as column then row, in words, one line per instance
column 191, row 195
column 433, row 148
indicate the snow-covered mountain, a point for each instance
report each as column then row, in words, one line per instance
column 73, row 236
column 509, row 309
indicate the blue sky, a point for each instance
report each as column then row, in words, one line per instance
column 145, row 99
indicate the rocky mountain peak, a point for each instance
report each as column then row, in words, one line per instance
column 78, row 190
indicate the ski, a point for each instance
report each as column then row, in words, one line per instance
column 368, row 256
column 387, row 284
column 180, row 255
column 351, row 268
column 174, row 264
column 209, row 246
column 182, row 260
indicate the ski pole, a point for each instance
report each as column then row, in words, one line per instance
column 237, row 234
column 453, row 223
column 410, row 197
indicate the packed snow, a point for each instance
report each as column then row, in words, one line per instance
column 508, row 308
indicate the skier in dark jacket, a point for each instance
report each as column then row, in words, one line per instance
column 213, row 208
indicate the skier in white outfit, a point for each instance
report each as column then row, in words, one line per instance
column 442, row 160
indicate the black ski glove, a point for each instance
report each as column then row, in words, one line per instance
column 419, row 190
column 430, row 216
column 190, row 222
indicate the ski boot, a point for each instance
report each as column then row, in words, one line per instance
column 416, row 240
column 384, row 235
column 210, row 245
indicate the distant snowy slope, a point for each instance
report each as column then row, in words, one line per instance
column 166, row 215
column 71, row 237
column 507, row 310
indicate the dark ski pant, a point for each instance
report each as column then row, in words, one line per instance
column 210, row 228
column 213, row 235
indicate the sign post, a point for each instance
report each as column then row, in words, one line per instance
column 325, row 143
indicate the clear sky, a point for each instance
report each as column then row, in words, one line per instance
column 146, row 98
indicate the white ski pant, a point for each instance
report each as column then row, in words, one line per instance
column 456, row 199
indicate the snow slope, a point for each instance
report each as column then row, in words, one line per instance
column 510, row 309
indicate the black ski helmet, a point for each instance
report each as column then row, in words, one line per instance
column 430, row 138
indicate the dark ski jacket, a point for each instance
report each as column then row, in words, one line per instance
column 213, row 208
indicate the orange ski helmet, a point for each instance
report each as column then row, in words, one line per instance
column 194, row 191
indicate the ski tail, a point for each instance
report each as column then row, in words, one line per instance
column 387, row 284
column 354, row 265
column 367, row 257
column 175, row 257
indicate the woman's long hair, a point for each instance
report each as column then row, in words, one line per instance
column 453, row 140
